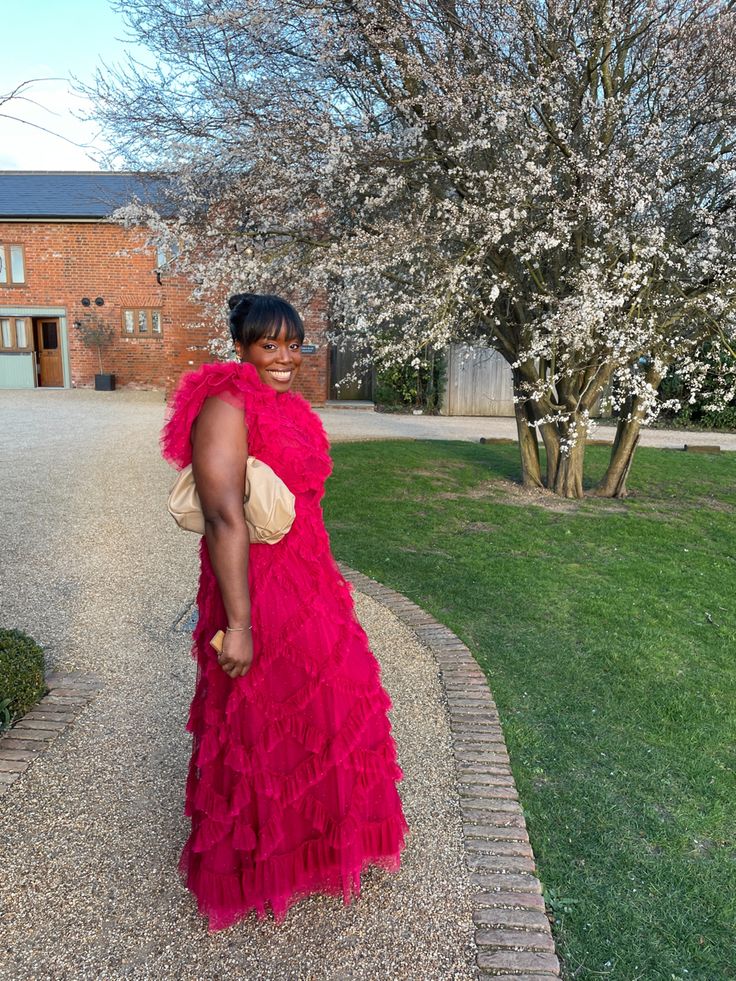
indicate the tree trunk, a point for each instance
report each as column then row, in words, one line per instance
column 613, row 482
column 551, row 440
column 568, row 481
column 531, row 472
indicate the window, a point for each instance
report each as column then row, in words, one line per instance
column 15, row 334
column 23, row 333
column 166, row 256
column 50, row 335
column 142, row 323
column 12, row 265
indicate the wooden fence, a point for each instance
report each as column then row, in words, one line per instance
column 478, row 383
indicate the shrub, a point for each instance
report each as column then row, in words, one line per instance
column 95, row 334
column 21, row 675
column 700, row 414
column 406, row 386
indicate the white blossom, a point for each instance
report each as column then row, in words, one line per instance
column 492, row 174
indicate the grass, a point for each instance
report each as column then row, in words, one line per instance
column 607, row 631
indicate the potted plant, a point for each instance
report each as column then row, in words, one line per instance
column 96, row 334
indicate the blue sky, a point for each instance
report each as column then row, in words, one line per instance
column 53, row 38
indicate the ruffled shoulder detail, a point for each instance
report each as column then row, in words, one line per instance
column 307, row 421
column 238, row 383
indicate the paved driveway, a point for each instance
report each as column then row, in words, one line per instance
column 361, row 424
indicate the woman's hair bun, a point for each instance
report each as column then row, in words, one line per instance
column 256, row 315
column 237, row 298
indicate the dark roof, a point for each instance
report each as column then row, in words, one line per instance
column 80, row 194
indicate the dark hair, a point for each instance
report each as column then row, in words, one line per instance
column 257, row 315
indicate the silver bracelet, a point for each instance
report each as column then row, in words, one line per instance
column 237, row 630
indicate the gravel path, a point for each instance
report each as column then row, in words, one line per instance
column 93, row 568
column 347, row 424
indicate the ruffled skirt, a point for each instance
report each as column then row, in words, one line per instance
column 292, row 780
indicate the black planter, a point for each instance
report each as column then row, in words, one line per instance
column 104, row 383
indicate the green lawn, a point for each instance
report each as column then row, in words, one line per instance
column 607, row 630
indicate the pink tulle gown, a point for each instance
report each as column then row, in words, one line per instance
column 292, row 781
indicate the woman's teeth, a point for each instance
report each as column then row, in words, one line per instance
column 280, row 375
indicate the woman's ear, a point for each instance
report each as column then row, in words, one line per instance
column 239, row 350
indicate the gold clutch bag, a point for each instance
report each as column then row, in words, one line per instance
column 268, row 503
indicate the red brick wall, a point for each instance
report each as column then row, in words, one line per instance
column 66, row 261
column 313, row 379
column 314, row 374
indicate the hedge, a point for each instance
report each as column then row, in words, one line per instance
column 21, row 675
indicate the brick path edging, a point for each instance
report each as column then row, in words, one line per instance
column 32, row 735
column 512, row 935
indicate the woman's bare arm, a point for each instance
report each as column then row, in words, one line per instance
column 219, row 452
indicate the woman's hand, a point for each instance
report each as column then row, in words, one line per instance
column 236, row 656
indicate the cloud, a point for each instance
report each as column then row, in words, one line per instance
column 51, row 105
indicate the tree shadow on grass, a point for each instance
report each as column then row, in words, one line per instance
column 427, row 470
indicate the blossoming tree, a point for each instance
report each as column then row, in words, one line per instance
column 554, row 179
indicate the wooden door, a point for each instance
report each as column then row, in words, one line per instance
column 48, row 347
column 341, row 362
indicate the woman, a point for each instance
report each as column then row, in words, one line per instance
column 292, row 780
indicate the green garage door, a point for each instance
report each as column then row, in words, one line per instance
column 17, row 371
column 17, row 359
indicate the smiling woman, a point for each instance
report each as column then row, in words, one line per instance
column 292, row 780
column 269, row 333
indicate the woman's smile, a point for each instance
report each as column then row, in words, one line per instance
column 276, row 359
column 282, row 375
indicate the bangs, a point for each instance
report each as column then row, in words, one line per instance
column 266, row 317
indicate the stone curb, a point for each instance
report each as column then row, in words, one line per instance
column 32, row 735
column 512, row 934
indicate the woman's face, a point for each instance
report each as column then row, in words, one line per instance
column 276, row 359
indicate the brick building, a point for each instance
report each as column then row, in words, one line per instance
column 64, row 263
